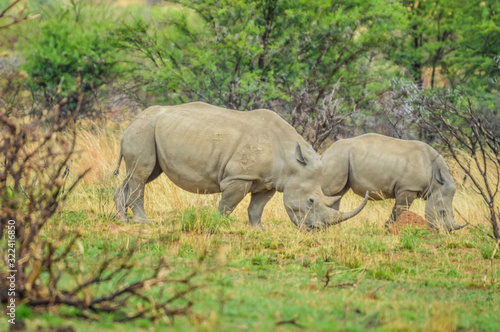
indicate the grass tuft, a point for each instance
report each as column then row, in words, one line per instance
column 203, row 220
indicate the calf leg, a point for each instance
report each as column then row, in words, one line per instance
column 232, row 194
column 333, row 190
column 256, row 207
column 403, row 203
column 336, row 204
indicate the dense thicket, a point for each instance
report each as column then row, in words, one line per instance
column 329, row 67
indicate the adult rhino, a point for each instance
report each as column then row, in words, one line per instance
column 391, row 168
column 206, row 149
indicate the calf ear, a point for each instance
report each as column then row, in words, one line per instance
column 299, row 156
column 439, row 177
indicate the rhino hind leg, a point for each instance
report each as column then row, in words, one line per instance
column 403, row 203
column 256, row 207
column 232, row 194
column 131, row 192
column 135, row 199
column 120, row 200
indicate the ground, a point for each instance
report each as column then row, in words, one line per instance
column 350, row 277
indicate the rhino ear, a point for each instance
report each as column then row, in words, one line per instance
column 439, row 177
column 299, row 156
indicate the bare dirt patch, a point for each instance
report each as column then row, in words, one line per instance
column 408, row 219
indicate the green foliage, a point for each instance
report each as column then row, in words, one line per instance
column 24, row 311
column 204, row 220
column 74, row 216
column 285, row 55
column 450, row 42
column 411, row 237
column 71, row 55
column 476, row 60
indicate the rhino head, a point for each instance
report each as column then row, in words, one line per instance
column 304, row 200
column 439, row 208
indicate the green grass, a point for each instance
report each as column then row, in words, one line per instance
column 254, row 279
column 204, row 220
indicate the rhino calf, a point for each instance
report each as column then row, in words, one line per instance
column 391, row 168
column 206, row 149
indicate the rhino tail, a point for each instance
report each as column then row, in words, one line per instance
column 117, row 170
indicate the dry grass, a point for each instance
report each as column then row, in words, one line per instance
column 98, row 149
column 164, row 201
column 380, row 275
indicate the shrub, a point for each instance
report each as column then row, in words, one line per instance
column 70, row 54
column 49, row 270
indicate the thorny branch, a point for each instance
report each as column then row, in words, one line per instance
column 16, row 17
column 36, row 159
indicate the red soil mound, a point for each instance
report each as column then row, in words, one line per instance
column 408, row 219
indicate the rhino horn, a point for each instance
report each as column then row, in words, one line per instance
column 339, row 217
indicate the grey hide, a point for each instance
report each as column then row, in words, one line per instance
column 206, row 149
column 391, row 168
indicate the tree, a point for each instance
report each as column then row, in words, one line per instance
column 279, row 54
column 461, row 127
column 476, row 61
column 445, row 42
column 428, row 37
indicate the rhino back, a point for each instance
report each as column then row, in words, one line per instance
column 200, row 145
column 385, row 165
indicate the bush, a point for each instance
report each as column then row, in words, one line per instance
column 49, row 270
column 282, row 55
column 71, row 54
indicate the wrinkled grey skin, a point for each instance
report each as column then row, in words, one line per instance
column 206, row 149
column 391, row 168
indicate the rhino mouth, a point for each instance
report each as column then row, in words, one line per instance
column 299, row 218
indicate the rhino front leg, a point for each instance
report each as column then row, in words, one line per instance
column 232, row 194
column 256, row 207
column 403, row 203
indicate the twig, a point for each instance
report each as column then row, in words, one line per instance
column 491, row 262
column 327, row 278
column 467, row 223
column 328, row 275
column 292, row 321
column 345, row 285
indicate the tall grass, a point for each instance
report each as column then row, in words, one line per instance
column 98, row 147
column 413, row 281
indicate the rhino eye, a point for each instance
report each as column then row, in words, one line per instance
column 311, row 200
